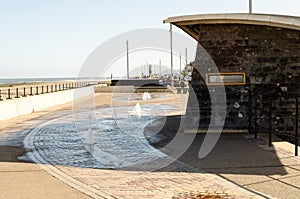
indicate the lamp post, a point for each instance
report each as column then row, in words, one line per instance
column 250, row 6
column 160, row 67
column 185, row 56
column 171, row 48
column 180, row 63
column 127, row 51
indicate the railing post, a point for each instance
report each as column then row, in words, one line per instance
column 8, row 92
column 296, row 127
column 17, row 93
column 37, row 90
column 270, row 120
column 24, row 92
column 30, row 91
column 250, row 112
column 255, row 118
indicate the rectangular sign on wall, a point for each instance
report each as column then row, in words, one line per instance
column 226, row 78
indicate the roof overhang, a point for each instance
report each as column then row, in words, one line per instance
column 188, row 23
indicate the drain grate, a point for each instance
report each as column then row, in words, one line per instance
column 202, row 195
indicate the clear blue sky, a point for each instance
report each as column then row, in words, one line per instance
column 52, row 38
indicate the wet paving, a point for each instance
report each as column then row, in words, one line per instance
column 58, row 142
column 119, row 141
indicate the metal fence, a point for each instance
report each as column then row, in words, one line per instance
column 265, row 111
column 24, row 91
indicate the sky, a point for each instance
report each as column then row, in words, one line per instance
column 53, row 38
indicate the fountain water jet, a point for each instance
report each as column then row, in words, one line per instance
column 146, row 96
column 89, row 138
column 137, row 111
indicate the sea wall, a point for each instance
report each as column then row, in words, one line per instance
column 25, row 105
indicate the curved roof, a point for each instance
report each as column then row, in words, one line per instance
column 187, row 22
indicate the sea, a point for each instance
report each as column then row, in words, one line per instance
column 35, row 80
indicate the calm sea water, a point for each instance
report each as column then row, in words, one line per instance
column 33, row 80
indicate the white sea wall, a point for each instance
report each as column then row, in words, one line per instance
column 21, row 106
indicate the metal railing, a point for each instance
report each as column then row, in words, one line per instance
column 262, row 107
column 9, row 93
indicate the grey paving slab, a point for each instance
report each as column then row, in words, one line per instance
column 59, row 146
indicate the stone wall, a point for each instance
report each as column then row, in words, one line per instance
column 269, row 56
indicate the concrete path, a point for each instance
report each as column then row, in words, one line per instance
column 22, row 179
column 50, row 147
column 251, row 164
column 239, row 166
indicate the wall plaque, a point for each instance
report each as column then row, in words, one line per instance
column 226, row 78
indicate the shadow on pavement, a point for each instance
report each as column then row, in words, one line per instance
column 233, row 154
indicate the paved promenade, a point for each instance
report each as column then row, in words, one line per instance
column 23, row 179
column 65, row 169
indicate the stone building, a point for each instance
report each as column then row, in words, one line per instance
column 265, row 49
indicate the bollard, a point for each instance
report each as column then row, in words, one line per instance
column 42, row 89
column 8, row 93
column 59, row 87
column 24, row 92
column 51, row 88
column 55, row 88
column 17, row 93
column 296, row 126
column 0, row 96
column 47, row 89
